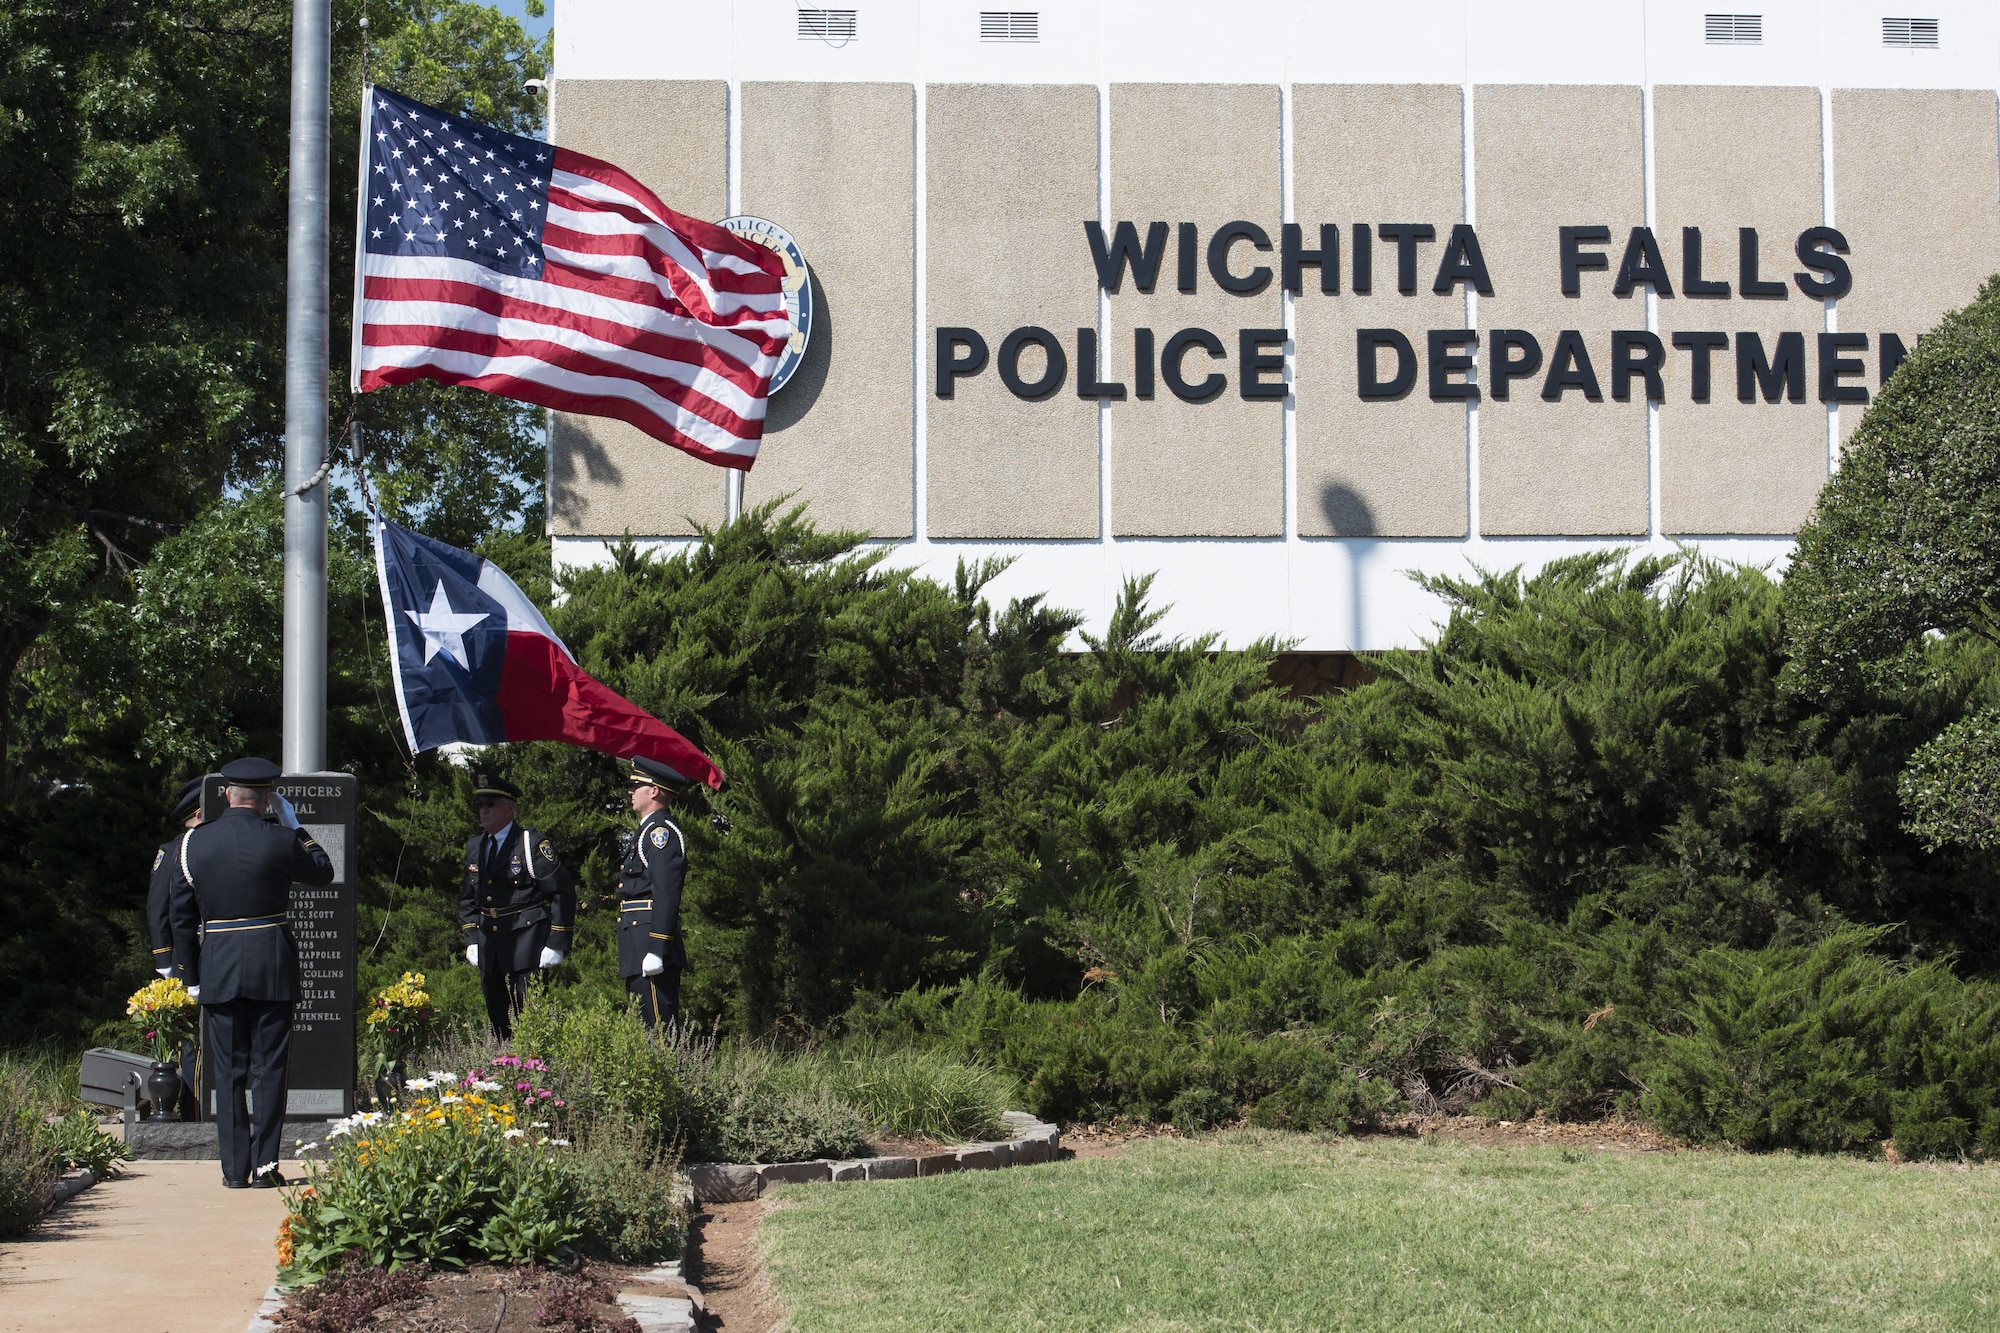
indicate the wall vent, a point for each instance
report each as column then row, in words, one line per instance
column 827, row 25
column 1734, row 29
column 1010, row 25
column 1910, row 32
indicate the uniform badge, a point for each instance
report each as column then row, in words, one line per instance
column 548, row 851
column 158, row 857
column 659, row 837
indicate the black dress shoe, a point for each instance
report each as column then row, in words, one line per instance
column 270, row 1180
column 235, row 1184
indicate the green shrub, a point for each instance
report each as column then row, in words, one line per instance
column 78, row 1144
column 1831, row 1048
column 914, row 1093
column 626, row 1200
column 761, row 1105
column 28, row 1166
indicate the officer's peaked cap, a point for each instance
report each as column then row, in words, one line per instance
column 492, row 784
column 250, row 772
column 188, row 799
column 652, row 773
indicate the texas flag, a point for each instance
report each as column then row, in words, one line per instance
column 474, row 661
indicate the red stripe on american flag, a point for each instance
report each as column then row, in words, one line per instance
column 686, row 351
column 542, row 395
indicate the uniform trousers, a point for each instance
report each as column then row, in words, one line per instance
column 505, row 991
column 659, row 995
column 249, row 1041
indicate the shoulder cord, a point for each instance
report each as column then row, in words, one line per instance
column 186, row 874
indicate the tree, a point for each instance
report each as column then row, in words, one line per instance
column 1901, row 548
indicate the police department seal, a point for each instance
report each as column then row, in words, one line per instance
column 798, row 288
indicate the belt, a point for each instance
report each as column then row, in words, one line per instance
column 636, row 904
column 227, row 924
column 507, row 911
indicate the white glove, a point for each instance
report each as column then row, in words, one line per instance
column 286, row 815
column 550, row 958
column 653, row 965
column 472, row 954
column 164, row 971
column 194, row 993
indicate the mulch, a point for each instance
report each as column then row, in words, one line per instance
column 480, row 1299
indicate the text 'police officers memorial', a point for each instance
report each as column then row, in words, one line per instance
column 1551, row 362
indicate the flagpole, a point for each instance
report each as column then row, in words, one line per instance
column 306, row 264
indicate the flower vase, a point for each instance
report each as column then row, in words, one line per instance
column 163, row 1090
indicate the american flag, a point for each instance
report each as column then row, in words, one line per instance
column 514, row 266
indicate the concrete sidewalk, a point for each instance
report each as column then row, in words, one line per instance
column 163, row 1248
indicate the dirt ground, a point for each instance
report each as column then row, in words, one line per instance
column 724, row 1261
column 482, row 1299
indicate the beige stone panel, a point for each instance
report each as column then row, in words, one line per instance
column 1916, row 196
column 1011, row 175
column 838, row 435
column 1549, row 157
column 608, row 478
column 1726, row 158
column 1376, row 153
column 1206, row 154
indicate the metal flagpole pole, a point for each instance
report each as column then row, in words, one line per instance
column 306, row 262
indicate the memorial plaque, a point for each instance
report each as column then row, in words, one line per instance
column 320, row 1072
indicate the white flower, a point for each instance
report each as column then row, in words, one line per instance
column 486, row 1085
column 514, row 1134
column 539, row 1124
column 449, row 1098
column 560, row 1143
column 421, row 1084
column 338, row 1128
column 443, row 1076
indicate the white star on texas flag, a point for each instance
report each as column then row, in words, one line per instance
column 444, row 629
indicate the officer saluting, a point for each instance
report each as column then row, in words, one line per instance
column 651, row 956
column 517, row 906
column 166, row 868
column 235, row 882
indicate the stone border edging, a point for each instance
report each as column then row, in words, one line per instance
column 70, row 1186
column 738, row 1182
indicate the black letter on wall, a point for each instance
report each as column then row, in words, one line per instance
column 1889, row 347
column 1294, row 257
column 1839, row 279
column 1692, row 283
column 1187, row 256
column 1446, row 362
column 1575, row 260
column 1785, row 373
column 1170, row 365
column 1367, row 344
column 1627, row 361
column 1125, row 249
column 1747, row 283
column 1143, row 364
column 1832, row 365
column 1257, row 279
column 1642, row 264
column 1053, row 373
column 1087, row 383
column 1406, row 235
column 1500, row 345
column 1462, row 263
column 1253, row 363
column 1364, row 259
column 950, row 365
column 1698, row 346
column 1569, row 368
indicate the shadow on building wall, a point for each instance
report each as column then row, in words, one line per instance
column 806, row 383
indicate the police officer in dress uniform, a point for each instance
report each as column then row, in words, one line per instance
column 517, row 906
column 651, row 956
column 234, row 886
column 159, row 924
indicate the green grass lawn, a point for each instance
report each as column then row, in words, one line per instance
column 1261, row 1231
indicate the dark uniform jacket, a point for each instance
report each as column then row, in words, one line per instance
column 233, row 880
column 649, row 901
column 518, row 902
column 159, row 920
